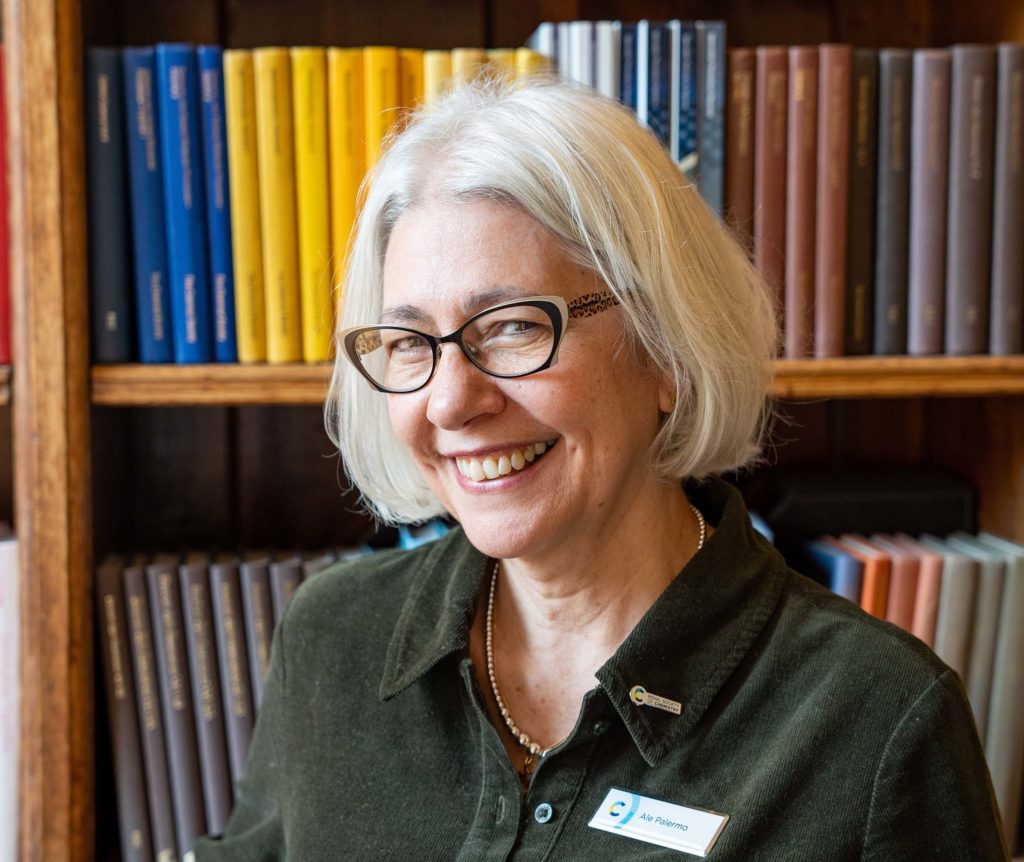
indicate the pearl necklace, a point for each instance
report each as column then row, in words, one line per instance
column 533, row 750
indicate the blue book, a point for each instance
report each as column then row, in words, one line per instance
column 840, row 572
column 178, row 99
column 218, row 202
column 711, row 73
column 653, row 78
column 683, row 120
column 627, row 61
column 109, row 253
column 145, row 183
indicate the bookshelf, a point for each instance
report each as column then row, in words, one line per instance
column 238, row 453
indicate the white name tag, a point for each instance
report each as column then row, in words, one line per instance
column 689, row 830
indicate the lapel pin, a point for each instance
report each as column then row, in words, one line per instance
column 642, row 697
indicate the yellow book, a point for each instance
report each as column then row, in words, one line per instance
column 467, row 63
column 243, row 178
column 347, row 149
column 437, row 74
column 502, row 62
column 381, row 97
column 410, row 86
column 309, row 112
column 277, row 203
column 529, row 62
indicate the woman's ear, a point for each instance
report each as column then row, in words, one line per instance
column 666, row 396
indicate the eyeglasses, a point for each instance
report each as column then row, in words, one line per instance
column 510, row 340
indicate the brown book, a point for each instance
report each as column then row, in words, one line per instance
column 176, row 699
column 874, row 591
column 129, row 773
column 801, row 171
column 860, row 231
column 232, row 662
column 834, row 72
column 929, row 586
column 151, row 724
column 739, row 146
column 770, row 167
column 969, row 224
column 1006, row 318
column 285, row 576
column 257, row 608
column 929, row 180
column 903, row 578
column 893, row 208
column 206, row 691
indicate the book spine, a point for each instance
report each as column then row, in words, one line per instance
column 243, row 174
column 562, row 49
column 739, row 153
column 347, row 152
column 218, row 203
column 184, row 202
column 467, row 65
column 628, row 58
column 711, row 68
column 206, row 693
column 1006, row 322
column 956, row 612
column 151, row 727
column 258, row 610
column 129, row 775
column 109, row 278
column 500, row 63
column 860, row 234
column 5, row 231
column 275, row 145
column 309, row 102
column 801, row 168
column 770, row 180
column 437, row 76
column 530, row 63
column 929, row 178
column 607, row 40
column 542, row 40
column 658, row 79
column 984, row 631
column 689, row 157
column 234, row 670
column 410, row 74
column 893, row 203
column 285, row 577
column 10, row 713
column 832, row 199
column 969, row 225
column 926, row 602
column 145, row 184
column 380, row 93
column 176, row 702
column 581, row 52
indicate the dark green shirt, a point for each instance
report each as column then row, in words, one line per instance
column 823, row 733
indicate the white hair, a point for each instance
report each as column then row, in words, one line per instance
column 582, row 166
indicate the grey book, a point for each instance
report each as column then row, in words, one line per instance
column 711, row 69
column 956, row 605
column 258, row 610
column 286, row 574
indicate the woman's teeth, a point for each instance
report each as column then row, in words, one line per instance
column 494, row 466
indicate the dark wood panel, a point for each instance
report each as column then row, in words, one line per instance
column 988, row 21
column 128, row 22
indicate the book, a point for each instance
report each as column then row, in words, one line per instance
column 874, row 594
column 184, row 202
column 206, row 690
column 542, row 40
column 1006, row 318
column 711, row 68
column 581, row 53
column 834, row 72
column 860, row 222
column 467, row 65
column 119, row 689
column 232, row 662
column 771, row 98
column 801, row 202
column 151, row 724
column 929, row 179
column 218, row 202
column 146, row 195
column 956, row 605
column 410, row 74
column 683, row 97
column 607, row 71
column 176, row 699
column 110, row 307
column 628, row 63
column 903, row 581
column 346, row 150
column 380, row 94
column 835, row 568
column 285, row 577
column 498, row 63
column 309, row 103
column 929, row 586
column 969, row 227
column 10, row 716
column 530, row 63
column 1004, row 736
column 563, row 48
column 5, row 230
column 893, row 202
column 653, row 78
column 437, row 75
column 258, row 612
column 739, row 154
column 243, row 174
column 278, row 220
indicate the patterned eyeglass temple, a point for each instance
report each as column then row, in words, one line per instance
column 591, row 303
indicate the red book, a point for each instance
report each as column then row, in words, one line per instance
column 874, row 594
column 903, row 579
column 5, row 234
column 739, row 150
column 929, row 586
column 770, row 167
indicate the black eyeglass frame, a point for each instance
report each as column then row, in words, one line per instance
column 555, row 307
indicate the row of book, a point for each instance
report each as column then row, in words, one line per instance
column 223, row 185
column 185, row 645
column 964, row 597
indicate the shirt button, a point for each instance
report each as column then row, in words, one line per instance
column 600, row 726
column 543, row 813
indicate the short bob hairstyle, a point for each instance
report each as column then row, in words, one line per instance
column 582, row 166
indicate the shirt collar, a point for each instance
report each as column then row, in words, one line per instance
column 684, row 648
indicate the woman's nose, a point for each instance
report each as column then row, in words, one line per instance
column 459, row 391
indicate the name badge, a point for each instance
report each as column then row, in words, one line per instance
column 689, row 830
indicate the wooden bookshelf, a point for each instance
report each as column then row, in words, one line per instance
column 5, row 385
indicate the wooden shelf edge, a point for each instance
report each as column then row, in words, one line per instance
column 795, row 379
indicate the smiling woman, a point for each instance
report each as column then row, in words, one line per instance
column 547, row 336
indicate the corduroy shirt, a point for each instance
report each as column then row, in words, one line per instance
column 823, row 733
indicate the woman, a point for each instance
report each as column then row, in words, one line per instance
column 552, row 340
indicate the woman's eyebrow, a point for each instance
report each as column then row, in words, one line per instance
column 406, row 314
